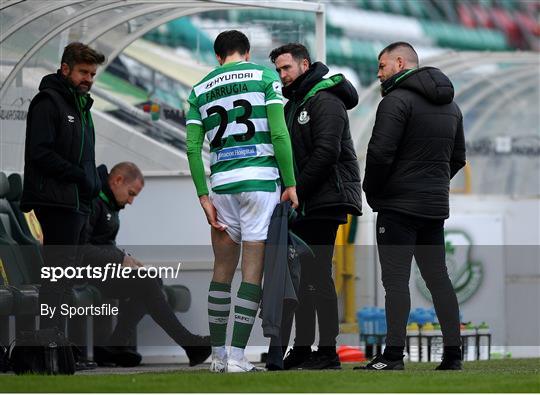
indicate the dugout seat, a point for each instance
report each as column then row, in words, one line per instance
column 23, row 259
column 21, row 233
column 14, row 274
column 14, row 198
column 81, row 295
column 178, row 297
column 24, row 262
column 17, row 228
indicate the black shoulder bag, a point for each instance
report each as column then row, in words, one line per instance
column 45, row 351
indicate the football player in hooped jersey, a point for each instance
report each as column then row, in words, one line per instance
column 239, row 107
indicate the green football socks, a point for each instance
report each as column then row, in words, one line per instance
column 245, row 310
column 219, row 306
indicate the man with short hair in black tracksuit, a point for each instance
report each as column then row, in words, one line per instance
column 328, row 188
column 139, row 295
column 60, row 177
column 416, row 147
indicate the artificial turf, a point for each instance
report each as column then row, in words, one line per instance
column 507, row 375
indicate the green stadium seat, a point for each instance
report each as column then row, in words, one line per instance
column 417, row 9
column 509, row 5
column 378, row 5
column 456, row 36
column 398, row 7
column 362, row 4
column 181, row 32
column 486, row 3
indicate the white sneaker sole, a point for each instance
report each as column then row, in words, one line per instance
column 233, row 368
column 218, row 367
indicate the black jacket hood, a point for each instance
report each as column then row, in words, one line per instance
column 58, row 83
column 345, row 91
column 303, row 84
column 429, row 82
column 312, row 81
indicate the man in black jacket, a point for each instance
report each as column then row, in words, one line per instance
column 60, row 178
column 139, row 295
column 328, row 188
column 416, row 147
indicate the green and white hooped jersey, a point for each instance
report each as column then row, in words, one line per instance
column 230, row 103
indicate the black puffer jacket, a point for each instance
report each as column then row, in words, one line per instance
column 417, row 145
column 326, row 167
column 59, row 168
column 102, row 228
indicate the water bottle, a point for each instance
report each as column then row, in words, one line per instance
column 437, row 346
column 484, row 334
column 372, row 324
column 382, row 321
column 376, row 323
column 361, row 315
column 469, row 346
column 413, row 316
column 426, row 332
column 432, row 316
column 413, row 337
column 422, row 316
column 379, row 320
column 365, row 318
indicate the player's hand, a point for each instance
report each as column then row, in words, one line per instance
column 211, row 213
column 290, row 194
column 129, row 261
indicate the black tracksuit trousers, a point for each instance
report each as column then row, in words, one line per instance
column 317, row 293
column 399, row 238
column 140, row 296
column 63, row 232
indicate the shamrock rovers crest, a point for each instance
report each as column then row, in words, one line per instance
column 465, row 273
column 303, row 118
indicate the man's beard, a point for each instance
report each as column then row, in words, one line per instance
column 82, row 88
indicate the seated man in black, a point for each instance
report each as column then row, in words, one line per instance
column 138, row 295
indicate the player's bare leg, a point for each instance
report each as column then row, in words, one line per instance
column 226, row 255
column 247, row 304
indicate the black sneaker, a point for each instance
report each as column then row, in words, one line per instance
column 81, row 362
column 199, row 350
column 450, row 364
column 295, row 357
column 116, row 356
column 381, row 363
column 321, row 361
column 85, row 365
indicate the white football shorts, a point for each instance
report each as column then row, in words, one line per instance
column 246, row 214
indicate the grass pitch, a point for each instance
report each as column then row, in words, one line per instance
column 510, row 375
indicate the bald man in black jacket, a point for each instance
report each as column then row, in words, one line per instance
column 138, row 295
column 416, row 147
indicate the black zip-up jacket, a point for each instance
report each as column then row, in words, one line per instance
column 102, row 227
column 59, row 168
column 326, row 167
column 417, row 145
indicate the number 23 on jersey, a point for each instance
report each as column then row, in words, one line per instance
column 218, row 140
